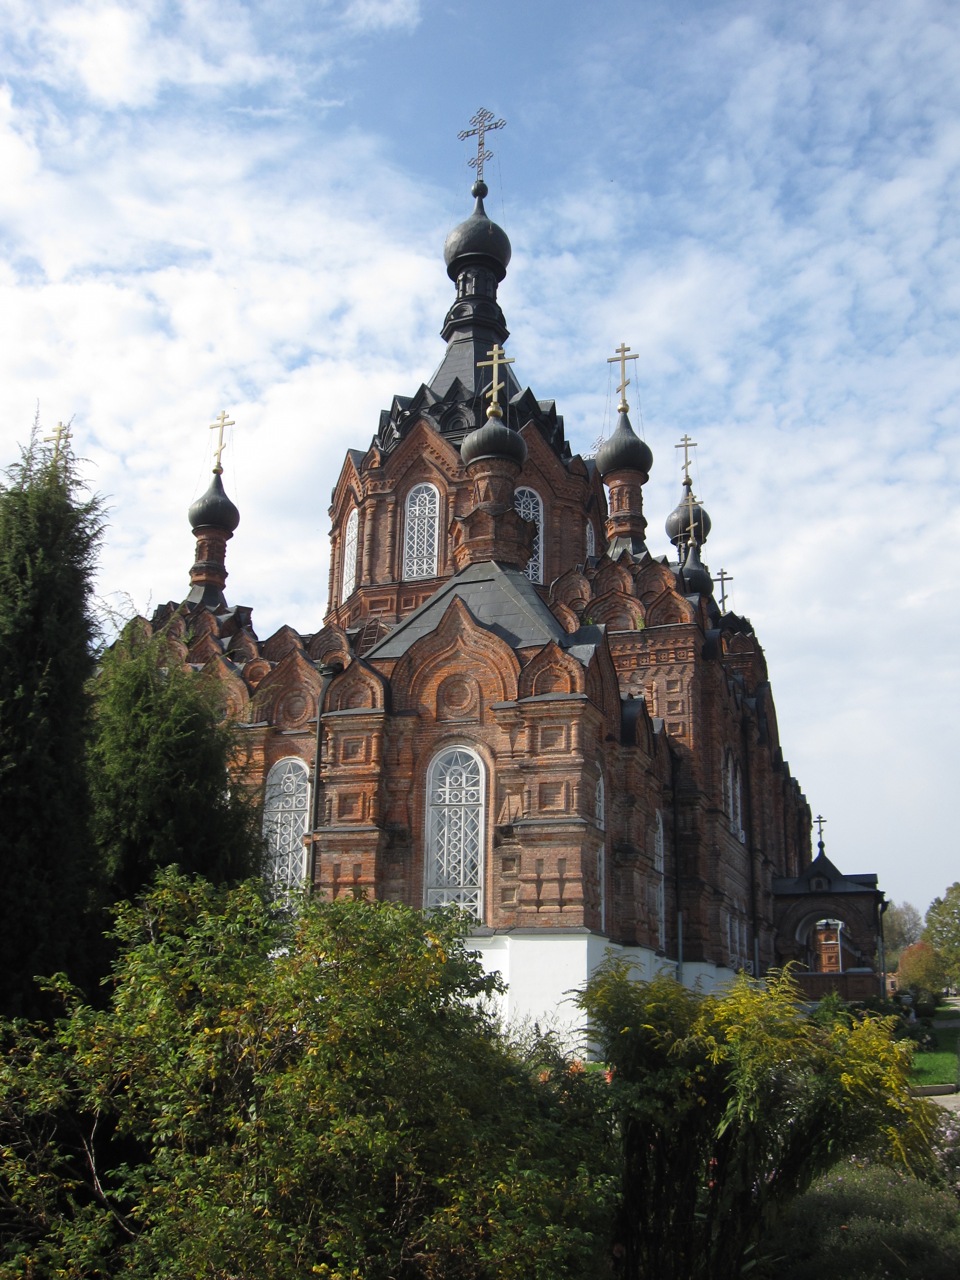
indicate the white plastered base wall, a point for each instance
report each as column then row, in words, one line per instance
column 542, row 967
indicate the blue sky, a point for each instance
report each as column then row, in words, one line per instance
column 243, row 205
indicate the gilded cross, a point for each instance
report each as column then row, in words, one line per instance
column 691, row 518
column 723, row 578
column 497, row 358
column 621, row 358
column 483, row 123
column 218, row 426
column 61, row 435
column 686, row 444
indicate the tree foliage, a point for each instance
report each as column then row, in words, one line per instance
column 279, row 1096
column 728, row 1105
column 942, row 931
column 921, row 970
column 160, row 772
column 902, row 927
column 48, row 540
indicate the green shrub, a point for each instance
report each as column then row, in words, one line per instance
column 866, row 1224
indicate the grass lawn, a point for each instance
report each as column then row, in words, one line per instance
column 939, row 1065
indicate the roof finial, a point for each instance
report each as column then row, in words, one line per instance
column 221, row 422
column 61, row 436
column 723, row 578
column 686, row 444
column 821, row 823
column 621, row 358
column 694, row 513
column 483, row 123
column 497, row 359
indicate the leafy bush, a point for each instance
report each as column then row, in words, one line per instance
column 279, row 1096
column 729, row 1104
column 865, row 1223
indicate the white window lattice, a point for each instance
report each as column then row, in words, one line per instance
column 420, row 539
column 599, row 813
column 659, row 864
column 286, row 807
column 350, row 554
column 591, row 540
column 454, row 861
column 527, row 503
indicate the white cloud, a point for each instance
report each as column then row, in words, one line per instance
column 380, row 15
column 761, row 202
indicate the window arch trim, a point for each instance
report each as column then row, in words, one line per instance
column 351, row 534
column 455, row 829
column 286, row 818
column 529, row 504
column 421, row 532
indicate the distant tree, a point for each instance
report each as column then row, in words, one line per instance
column 49, row 533
column 160, row 781
column 943, row 931
column 728, row 1105
column 902, row 927
column 278, row 1096
column 921, row 969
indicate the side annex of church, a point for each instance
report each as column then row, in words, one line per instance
column 512, row 705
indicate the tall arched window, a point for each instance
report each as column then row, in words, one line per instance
column 455, row 830
column 528, row 504
column 736, row 813
column 286, row 808
column 599, row 806
column 728, row 786
column 591, row 540
column 349, row 580
column 659, row 871
column 420, row 533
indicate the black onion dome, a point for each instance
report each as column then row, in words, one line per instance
column 696, row 579
column 214, row 509
column 624, row 451
column 477, row 238
column 493, row 440
column 677, row 524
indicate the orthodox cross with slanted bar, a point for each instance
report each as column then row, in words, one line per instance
column 821, row 823
column 691, row 518
column 497, row 358
column 61, row 436
column 483, row 123
column 221, row 422
column 686, row 444
column 723, row 578
column 621, row 359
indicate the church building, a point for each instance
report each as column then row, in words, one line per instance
column 512, row 704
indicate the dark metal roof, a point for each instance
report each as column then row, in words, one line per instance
column 502, row 600
column 821, row 868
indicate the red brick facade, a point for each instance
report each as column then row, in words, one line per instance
column 618, row 730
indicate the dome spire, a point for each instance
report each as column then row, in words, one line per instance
column 213, row 519
column 688, row 520
column 624, row 463
column 477, row 253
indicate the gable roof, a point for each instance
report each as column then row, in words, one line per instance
column 503, row 600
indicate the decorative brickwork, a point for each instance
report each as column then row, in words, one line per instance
column 594, row 752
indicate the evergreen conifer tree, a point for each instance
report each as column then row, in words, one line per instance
column 49, row 535
column 160, row 772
